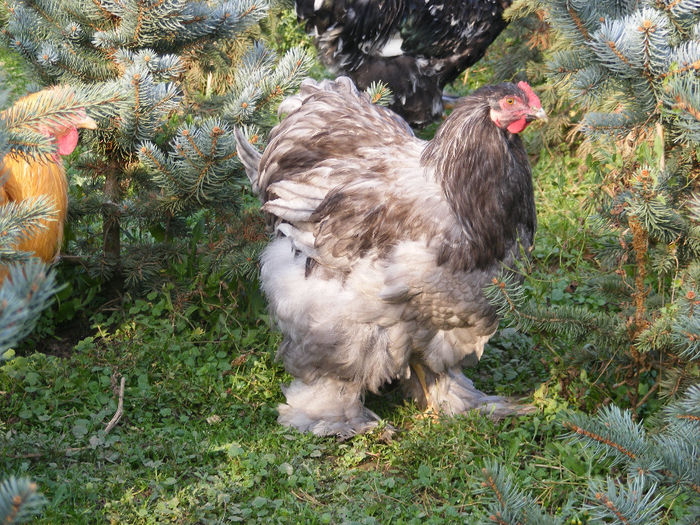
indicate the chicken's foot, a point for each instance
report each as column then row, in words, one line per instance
column 431, row 411
column 420, row 374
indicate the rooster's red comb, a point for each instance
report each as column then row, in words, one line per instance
column 532, row 99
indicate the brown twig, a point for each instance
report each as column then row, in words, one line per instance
column 74, row 259
column 120, row 408
column 641, row 245
column 651, row 390
column 611, row 505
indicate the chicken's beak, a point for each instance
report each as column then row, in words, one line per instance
column 86, row 123
column 537, row 113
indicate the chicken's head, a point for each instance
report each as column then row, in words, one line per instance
column 66, row 133
column 513, row 107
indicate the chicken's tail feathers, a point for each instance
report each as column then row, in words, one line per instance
column 250, row 158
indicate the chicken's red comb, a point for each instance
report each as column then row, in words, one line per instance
column 532, row 99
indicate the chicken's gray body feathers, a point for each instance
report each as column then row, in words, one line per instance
column 371, row 273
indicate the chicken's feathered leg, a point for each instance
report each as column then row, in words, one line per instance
column 453, row 393
column 326, row 407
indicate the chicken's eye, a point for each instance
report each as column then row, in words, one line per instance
column 510, row 101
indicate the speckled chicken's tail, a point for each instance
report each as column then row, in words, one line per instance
column 250, row 158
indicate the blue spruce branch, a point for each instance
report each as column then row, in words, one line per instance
column 19, row 501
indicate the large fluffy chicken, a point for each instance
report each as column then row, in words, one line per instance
column 23, row 177
column 414, row 46
column 383, row 245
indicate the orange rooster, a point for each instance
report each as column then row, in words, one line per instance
column 25, row 177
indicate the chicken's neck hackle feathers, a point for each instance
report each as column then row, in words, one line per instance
column 28, row 179
column 485, row 175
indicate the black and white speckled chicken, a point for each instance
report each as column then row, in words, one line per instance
column 416, row 47
column 383, row 245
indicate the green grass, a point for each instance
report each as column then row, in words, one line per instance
column 199, row 443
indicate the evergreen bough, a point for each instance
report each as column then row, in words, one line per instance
column 633, row 67
column 160, row 177
column 658, row 470
column 29, row 286
column 19, row 501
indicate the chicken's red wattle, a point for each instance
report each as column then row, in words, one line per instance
column 517, row 126
column 67, row 141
